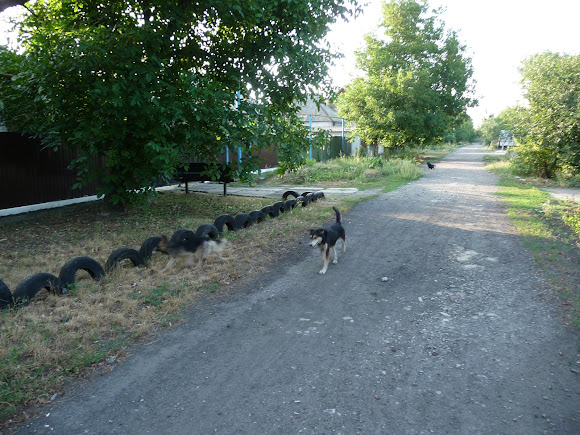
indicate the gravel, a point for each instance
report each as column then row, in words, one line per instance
column 435, row 320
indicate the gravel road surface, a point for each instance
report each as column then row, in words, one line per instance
column 435, row 320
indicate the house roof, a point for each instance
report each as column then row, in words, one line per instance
column 324, row 114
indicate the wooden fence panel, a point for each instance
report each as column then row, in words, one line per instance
column 32, row 175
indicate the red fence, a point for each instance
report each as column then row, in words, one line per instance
column 32, row 175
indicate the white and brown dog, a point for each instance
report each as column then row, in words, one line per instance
column 326, row 238
column 184, row 243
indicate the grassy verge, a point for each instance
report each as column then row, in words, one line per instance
column 364, row 172
column 549, row 229
column 59, row 338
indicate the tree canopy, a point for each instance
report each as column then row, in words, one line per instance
column 551, row 144
column 416, row 85
column 547, row 128
column 147, row 84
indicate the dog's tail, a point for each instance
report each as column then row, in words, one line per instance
column 337, row 214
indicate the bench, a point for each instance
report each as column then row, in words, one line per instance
column 195, row 172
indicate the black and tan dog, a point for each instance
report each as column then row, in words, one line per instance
column 326, row 238
column 184, row 243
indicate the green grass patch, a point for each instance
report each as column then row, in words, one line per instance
column 357, row 171
column 547, row 228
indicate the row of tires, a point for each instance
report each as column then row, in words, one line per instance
column 61, row 284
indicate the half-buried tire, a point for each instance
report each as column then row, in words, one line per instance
column 241, row 221
column 280, row 206
column 269, row 212
column 5, row 296
column 148, row 247
column 28, row 288
column 302, row 200
column 286, row 194
column 208, row 230
column 257, row 216
column 225, row 221
column 68, row 272
column 290, row 204
column 121, row 254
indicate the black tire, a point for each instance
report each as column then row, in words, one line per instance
column 28, row 288
column 305, row 194
column 68, row 272
column 288, row 193
column 5, row 296
column 319, row 195
column 225, row 220
column 280, row 206
column 148, row 247
column 268, row 211
column 207, row 230
column 241, row 221
column 181, row 235
column 290, row 204
column 302, row 200
column 257, row 216
column 121, row 254
column 272, row 212
column 311, row 197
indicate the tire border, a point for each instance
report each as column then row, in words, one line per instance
column 68, row 271
column 121, row 254
column 31, row 285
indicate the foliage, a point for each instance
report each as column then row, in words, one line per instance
column 545, row 230
column 490, row 129
column 572, row 219
column 356, row 171
column 551, row 144
column 462, row 133
column 512, row 118
column 417, row 83
column 145, row 85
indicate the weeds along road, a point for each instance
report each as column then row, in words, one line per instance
column 461, row 338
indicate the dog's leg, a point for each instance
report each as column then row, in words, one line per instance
column 169, row 265
column 335, row 255
column 326, row 259
column 344, row 244
column 190, row 259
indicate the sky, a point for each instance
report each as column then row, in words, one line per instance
column 498, row 34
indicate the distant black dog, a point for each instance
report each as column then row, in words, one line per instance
column 430, row 165
column 326, row 238
column 184, row 243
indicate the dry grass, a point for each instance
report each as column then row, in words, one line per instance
column 58, row 338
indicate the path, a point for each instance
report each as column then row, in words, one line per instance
column 459, row 339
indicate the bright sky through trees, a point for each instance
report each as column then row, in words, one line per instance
column 499, row 35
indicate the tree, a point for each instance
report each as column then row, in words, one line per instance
column 465, row 132
column 491, row 128
column 551, row 144
column 146, row 84
column 417, row 82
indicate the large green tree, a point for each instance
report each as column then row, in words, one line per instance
column 417, row 79
column 146, row 84
column 551, row 143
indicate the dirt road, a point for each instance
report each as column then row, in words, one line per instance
column 433, row 321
